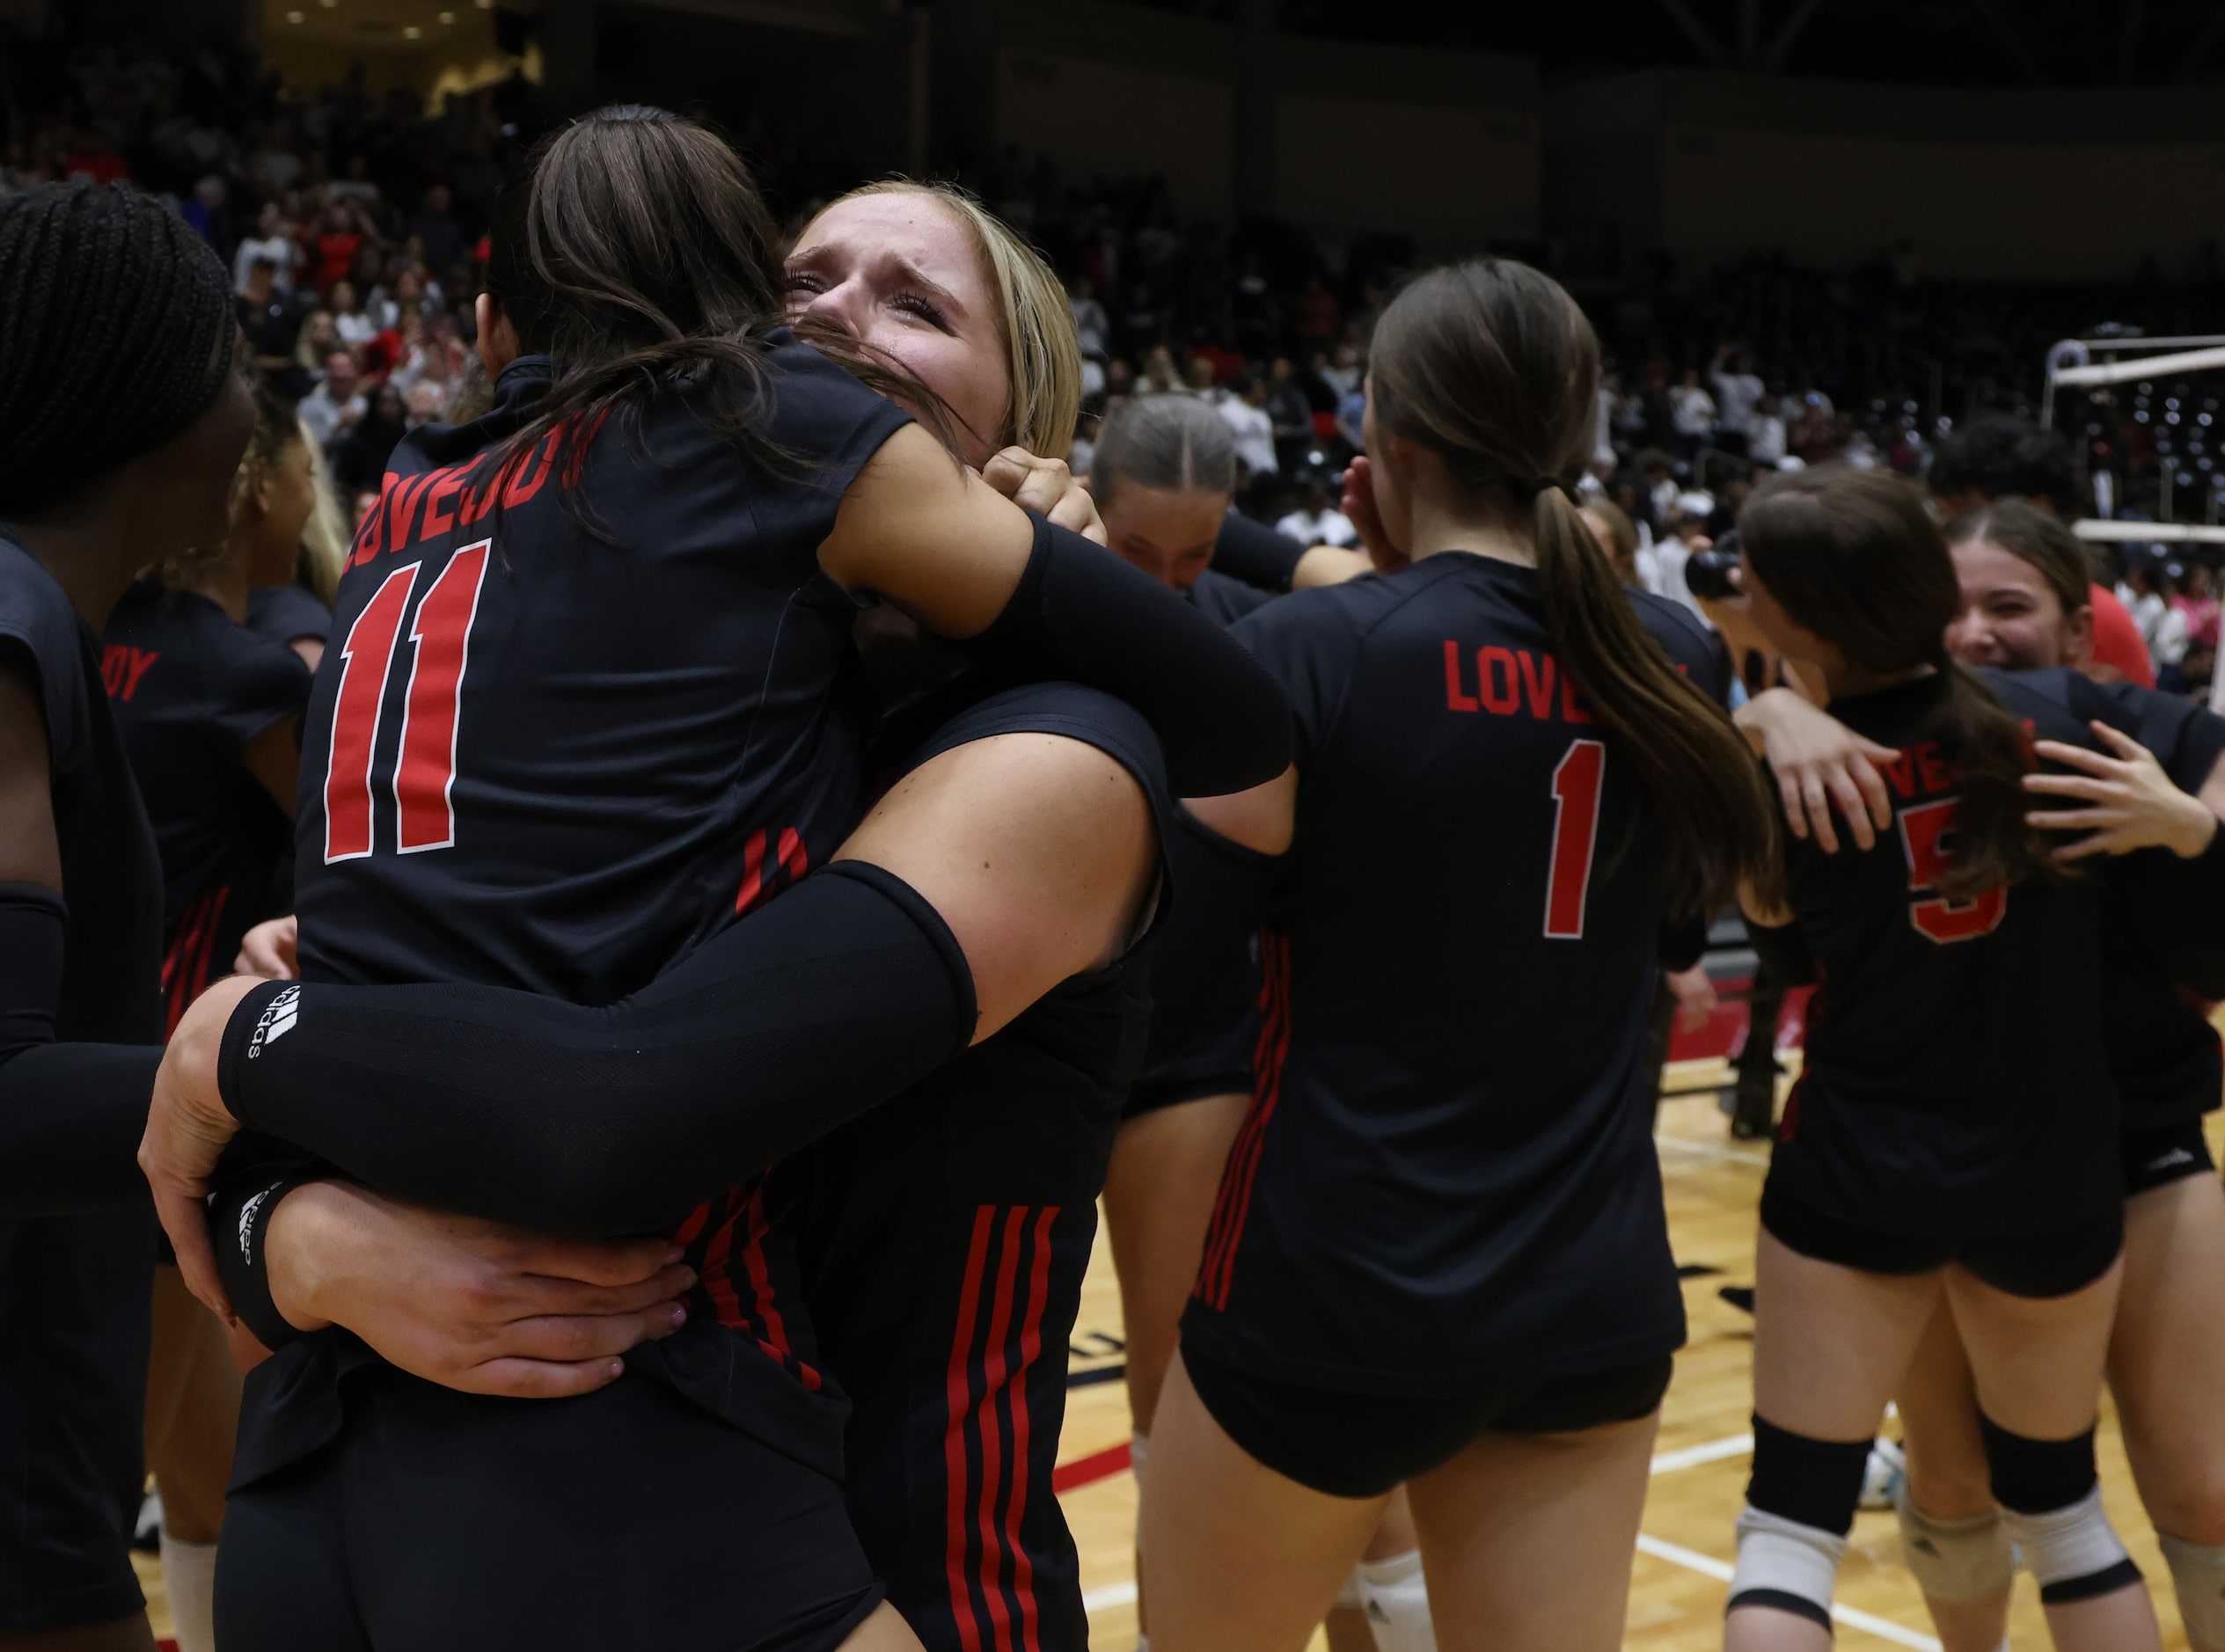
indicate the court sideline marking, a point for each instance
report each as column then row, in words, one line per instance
column 1103, row 1465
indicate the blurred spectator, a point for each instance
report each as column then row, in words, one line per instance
column 271, row 244
column 1691, row 415
column 1737, row 394
column 1089, row 317
column 1290, row 414
column 1319, row 319
column 436, row 229
column 424, row 403
column 268, row 319
column 359, row 458
column 1318, row 522
column 1246, row 415
column 336, row 403
column 355, row 327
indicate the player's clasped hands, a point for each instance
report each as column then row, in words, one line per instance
column 1046, row 487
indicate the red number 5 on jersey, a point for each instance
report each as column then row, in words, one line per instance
column 1924, row 834
column 425, row 767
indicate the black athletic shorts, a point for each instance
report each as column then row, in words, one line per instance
column 74, row 1295
column 1219, row 1066
column 2053, row 1262
column 626, row 1520
column 2157, row 1157
column 1361, row 1445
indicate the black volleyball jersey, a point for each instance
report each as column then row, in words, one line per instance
column 284, row 612
column 544, row 758
column 944, row 1238
column 2163, row 1053
column 1955, row 1068
column 191, row 688
column 1447, row 1176
column 556, row 758
column 111, row 875
column 1224, row 599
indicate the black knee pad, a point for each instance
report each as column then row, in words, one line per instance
column 1814, row 1482
column 2034, row 1476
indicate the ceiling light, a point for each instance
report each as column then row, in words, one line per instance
column 293, row 16
column 413, row 32
column 448, row 16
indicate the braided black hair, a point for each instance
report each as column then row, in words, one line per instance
column 116, row 332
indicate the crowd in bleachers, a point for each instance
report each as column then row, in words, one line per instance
column 351, row 222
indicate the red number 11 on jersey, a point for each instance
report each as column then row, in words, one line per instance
column 425, row 769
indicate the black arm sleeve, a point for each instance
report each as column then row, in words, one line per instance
column 1082, row 614
column 1783, row 951
column 71, row 1114
column 592, row 1122
column 1203, row 977
column 256, row 1173
column 1256, row 554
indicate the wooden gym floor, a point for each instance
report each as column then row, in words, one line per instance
column 1699, row 1469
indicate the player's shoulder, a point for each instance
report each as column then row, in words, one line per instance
column 48, row 638
column 2058, row 702
column 1674, row 626
column 1226, row 600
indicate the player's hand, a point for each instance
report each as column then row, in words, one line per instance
column 2131, row 803
column 270, row 949
column 473, row 1305
column 1046, row 487
column 1696, row 996
column 1820, row 765
column 1358, row 506
column 188, row 1127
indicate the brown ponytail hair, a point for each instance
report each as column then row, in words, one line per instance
column 1491, row 366
column 1853, row 557
column 634, row 248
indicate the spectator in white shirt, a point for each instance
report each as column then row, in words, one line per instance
column 357, row 327
column 336, row 403
column 1246, row 415
column 1320, row 523
column 1737, row 396
column 1089, row 317
column 269, row 242
column 1765, row 444
column 1691, row 415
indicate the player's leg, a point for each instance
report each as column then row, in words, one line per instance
column 2167, row 1370
column 1159, row 1199
column 192, row 1415
column 1385, row 1604
column 1831, row 1345
column 1527, row 1537
column 281, row 1571
column 1160, row 1189
column 2038, row 1362
column 1237, row 1557
column 1951, row 1534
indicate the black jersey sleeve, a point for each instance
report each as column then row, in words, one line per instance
column 257, row 682
column 1784, row 950
column 587, row 1120
column 1082, row 614
column 1255, row 554
column 1311, row 648
column 2187, row 740
column 284, row 612
column 71, row 1114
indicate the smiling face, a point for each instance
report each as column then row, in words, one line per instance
column 2009, row 615
column 899, row 271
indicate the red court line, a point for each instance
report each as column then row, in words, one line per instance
column 1088, row 1471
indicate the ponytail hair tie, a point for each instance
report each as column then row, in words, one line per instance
column 1546, row 485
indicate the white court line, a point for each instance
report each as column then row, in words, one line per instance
column 1712, row 1452
column 1710, row 1149
column 1854, row 1617
column 1105, row 1599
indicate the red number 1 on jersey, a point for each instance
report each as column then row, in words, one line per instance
column 1576, row 835
column 1924, row 832
column 425, row 770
